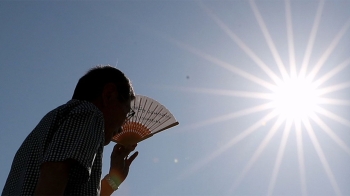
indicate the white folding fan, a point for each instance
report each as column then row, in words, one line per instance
column 150, row 118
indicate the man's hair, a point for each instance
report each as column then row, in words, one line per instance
column 91, row 85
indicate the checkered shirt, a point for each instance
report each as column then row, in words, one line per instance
column 71, row 131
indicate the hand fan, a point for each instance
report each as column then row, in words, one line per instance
column 150, row 118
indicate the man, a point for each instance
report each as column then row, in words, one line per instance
column 63, row 154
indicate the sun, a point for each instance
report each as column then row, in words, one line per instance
column 295, row 98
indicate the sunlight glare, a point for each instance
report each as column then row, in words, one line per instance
column 295, row 98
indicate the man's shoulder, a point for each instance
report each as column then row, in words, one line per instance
column 73, row 108
column 80, row 105
column 77, row 106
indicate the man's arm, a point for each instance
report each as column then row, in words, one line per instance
column 53, row 178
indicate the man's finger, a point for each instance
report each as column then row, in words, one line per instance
column 131, row 159
column 132, row 148
column 120, row 150
column 117, row 147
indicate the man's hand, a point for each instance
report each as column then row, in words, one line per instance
column 120, row 162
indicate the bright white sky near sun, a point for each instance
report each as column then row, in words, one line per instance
column 212, row 64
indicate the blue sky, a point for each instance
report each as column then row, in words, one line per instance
column 196, row 58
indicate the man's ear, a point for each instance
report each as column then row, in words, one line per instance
column 109, row 94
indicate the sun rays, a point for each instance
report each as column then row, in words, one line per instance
column 295, row 102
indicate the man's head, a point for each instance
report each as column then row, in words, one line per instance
column 111, row 91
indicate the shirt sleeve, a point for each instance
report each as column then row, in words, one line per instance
column 77, row 138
